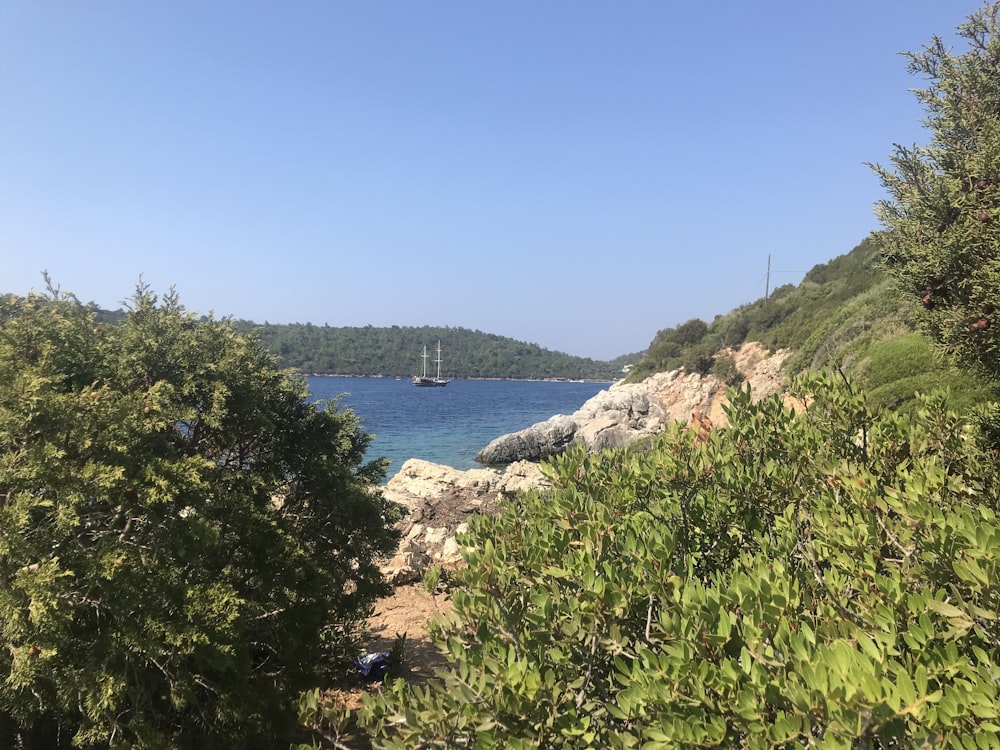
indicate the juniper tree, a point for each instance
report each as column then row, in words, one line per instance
column 182, row 532
column 941, row 236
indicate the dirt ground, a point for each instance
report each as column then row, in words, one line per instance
column 407, row 612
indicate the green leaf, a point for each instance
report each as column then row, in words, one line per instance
column 906, row 689
column 944, row 608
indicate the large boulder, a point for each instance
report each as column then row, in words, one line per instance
column 618, row 416
column 548, row 438
column 440, row 500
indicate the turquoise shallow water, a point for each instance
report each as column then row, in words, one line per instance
column 449, row 425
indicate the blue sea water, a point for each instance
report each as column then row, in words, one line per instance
column 448, row 425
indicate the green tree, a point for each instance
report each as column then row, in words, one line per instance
column 185, row 538
column 942, row 216
column 699, row 357
column 725, row 369
column 691, row 331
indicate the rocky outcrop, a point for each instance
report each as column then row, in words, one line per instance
column 625, row 413
column 440, row 501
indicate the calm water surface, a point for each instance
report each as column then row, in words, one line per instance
column 448, row 425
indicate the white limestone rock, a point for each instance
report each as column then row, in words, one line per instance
column 440, row 501
column 627, row 412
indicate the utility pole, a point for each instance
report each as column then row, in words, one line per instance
column 767, row 284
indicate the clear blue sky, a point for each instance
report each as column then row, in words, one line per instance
column 572, row 173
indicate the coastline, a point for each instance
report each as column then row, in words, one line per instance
column 483, row 379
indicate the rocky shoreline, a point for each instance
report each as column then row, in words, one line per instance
column 441, row 499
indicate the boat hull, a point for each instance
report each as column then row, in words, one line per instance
column 429, row 382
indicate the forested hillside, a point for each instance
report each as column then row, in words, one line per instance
column 845, row 315
column 397, row 350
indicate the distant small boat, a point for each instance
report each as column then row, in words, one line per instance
column 424, row 380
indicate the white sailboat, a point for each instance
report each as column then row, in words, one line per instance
column 426, row 381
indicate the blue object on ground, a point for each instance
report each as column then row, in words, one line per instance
column 374, row 665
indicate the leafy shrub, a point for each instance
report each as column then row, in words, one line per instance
column 691, row 332
column 897, row 368
column 182, row 533
column 699, row 357
column 823, row 576
column 725, row 369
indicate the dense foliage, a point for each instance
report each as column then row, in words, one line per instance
column 942, row 218
column 897, row 368
column 826, row 576
column 396, row 351
column 184, row 536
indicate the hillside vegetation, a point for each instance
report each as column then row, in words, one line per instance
column 845, row 315
column 396, row 351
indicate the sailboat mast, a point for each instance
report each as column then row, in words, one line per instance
column 439, row 360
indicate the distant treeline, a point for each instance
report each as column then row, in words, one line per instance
column 396, row 352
